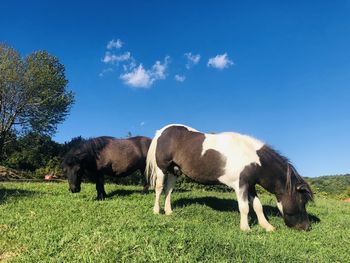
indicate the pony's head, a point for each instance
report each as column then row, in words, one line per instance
column 294, row 200
column 291, row 190
column 81, row 158
column 71, row 168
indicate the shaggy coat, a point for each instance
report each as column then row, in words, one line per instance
column 101, row 156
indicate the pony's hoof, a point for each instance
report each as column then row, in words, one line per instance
column 155, row 211
column 168, row 213
column 245, row 229
column 270, row 228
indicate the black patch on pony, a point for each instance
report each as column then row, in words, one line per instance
column 181, row 148
column 280, row 168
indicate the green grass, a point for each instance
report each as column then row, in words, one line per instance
column 43, row 222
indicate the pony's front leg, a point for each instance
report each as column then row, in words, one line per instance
column 258, row 208
column 100, row 188
column 243, row 206
column 170, row 183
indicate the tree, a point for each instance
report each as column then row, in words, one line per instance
column 33, row 95
column 33, row 151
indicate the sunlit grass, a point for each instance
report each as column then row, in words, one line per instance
column 43, row 222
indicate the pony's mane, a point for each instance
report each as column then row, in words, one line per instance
column 87, row 149
column 283, row 164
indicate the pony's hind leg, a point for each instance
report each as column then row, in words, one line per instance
column 258, row 208
column 170, row 183
column 158, row 189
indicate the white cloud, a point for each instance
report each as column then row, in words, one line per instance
column 159, row 69
column 105, row 71
column 142, row 123
column 179, row 78
column 220, row 61
column 133, row 74
column 112, row 58
column 139, row 77
column 192, row 59
column 115, row 44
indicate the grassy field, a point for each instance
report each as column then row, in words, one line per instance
column 43, row 222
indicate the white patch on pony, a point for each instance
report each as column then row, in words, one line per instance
column 239, row 150
column 243, row 206
column 159, row 181
column 258, row 208
column 181, row 125
column 280, row 207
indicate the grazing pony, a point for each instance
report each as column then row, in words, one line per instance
column 233, row 159
column 105, row 156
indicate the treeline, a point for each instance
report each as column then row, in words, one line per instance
column 36, row 154
column 336, row 186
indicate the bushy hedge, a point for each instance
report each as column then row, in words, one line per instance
column 37, row 155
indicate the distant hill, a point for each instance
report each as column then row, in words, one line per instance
column 337, row 186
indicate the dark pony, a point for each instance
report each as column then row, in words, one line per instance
column 236, row 160
column 102, row 156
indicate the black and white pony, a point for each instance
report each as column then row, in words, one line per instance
column 102, row 156
column 233, row 159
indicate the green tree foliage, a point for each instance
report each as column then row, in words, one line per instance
column 34, row 151
column 337, row 186
column 53, row 167
column 38, row 153
column 33, row 95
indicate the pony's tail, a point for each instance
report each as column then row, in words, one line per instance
column 151, row 162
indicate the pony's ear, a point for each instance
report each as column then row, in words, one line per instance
column 305, row 189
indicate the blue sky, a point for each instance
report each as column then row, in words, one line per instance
column 278, row 71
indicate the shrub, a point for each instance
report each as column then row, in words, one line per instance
column 53, row 167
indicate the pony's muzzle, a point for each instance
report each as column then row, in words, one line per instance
column 74, row 189
column 305, row 227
